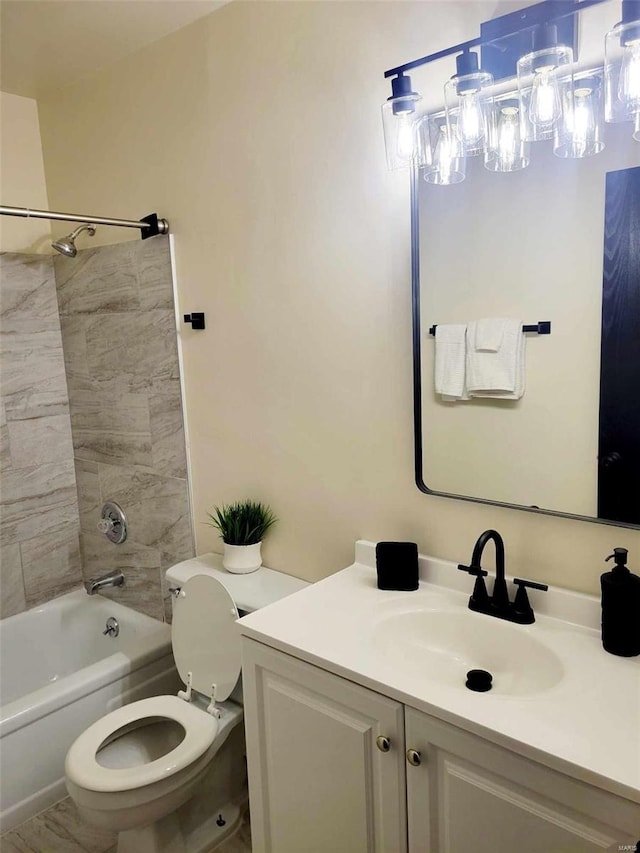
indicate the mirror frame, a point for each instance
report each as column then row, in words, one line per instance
column 417, row 386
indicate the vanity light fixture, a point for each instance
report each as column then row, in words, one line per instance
column 622, row 67
column 466, row 97
column 499, row 116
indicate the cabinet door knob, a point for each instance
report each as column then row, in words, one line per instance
column 414, row 758
column 383, row 743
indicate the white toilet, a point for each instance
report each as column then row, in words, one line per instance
column 133, row 770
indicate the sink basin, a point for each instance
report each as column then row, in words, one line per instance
column 443, row 645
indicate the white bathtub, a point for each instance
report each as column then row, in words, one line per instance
column 58, row 674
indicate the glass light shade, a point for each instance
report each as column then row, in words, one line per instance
column 622, row 72
column 399, row 131
column 467, row 100
column 580, row 133
column 423, row 156
column 542, row 77
column 507, row 150
column 448, row 165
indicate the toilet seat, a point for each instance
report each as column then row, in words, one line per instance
column 82, row 767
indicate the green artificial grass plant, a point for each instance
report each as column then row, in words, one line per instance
column 242, row 523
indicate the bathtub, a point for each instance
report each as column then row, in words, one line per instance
column 59, row 674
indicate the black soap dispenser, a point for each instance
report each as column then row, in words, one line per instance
column 620, row 607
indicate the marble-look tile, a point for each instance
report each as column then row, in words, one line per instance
column 155, row 281
column 5, row 449
column 167, row 605
column 97, row 280
column 127, row 351
column 12, row 597
column 89, row 500
column 59, row 829
column 164, row 385
column 157, row 509
column 45, row 397
column 140, row 565
column 166, row 420
column 51, row 564
column 28, row 289
column 33, row 381
column 74, row 344
column 38, row 441
column 37, row 500
column 111, row 428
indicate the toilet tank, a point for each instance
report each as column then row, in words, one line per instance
column 250, row 592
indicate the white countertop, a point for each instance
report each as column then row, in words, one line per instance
column 586, row 725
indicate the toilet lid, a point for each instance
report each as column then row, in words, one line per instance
column 206, row 640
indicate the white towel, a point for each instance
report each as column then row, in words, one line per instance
column 499, row 375
column 450, row 361
column 490, row 334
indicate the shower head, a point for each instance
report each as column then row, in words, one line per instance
column 66, row 245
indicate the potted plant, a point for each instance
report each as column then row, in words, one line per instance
column 242, row 526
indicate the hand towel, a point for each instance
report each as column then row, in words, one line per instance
column 501, row 374
column 450, row 361
column 490, row 334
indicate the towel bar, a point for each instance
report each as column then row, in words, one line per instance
column 543, row 327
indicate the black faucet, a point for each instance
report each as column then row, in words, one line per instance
column 498, row 603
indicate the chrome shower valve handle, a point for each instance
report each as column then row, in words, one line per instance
column 113, row 523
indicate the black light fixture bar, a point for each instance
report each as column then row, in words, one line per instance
column 529, row 18
column 425, row 60
column 542, row 327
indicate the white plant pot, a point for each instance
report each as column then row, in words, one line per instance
column 242, row 559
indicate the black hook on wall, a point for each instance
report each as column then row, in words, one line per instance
column 196, row 318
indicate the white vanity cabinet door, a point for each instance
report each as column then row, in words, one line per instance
column 467, row 794
column 318, row 781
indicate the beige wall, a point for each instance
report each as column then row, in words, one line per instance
column 22, row 181
column 257, row 133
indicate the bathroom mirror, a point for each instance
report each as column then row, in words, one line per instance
column 530, row 245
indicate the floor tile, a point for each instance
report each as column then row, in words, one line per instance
column 59, row 829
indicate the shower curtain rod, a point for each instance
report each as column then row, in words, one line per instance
column 149, row 225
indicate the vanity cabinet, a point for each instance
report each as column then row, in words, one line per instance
column 337, row 768
column 469, row 794
column 318, row 780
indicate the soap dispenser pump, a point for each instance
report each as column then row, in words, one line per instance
column 620, row 607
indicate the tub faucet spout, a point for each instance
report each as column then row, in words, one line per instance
column 93, row 585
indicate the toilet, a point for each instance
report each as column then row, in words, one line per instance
column 156, row 771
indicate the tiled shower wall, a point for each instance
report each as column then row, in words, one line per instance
column 40, row 556
column 121, row 358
